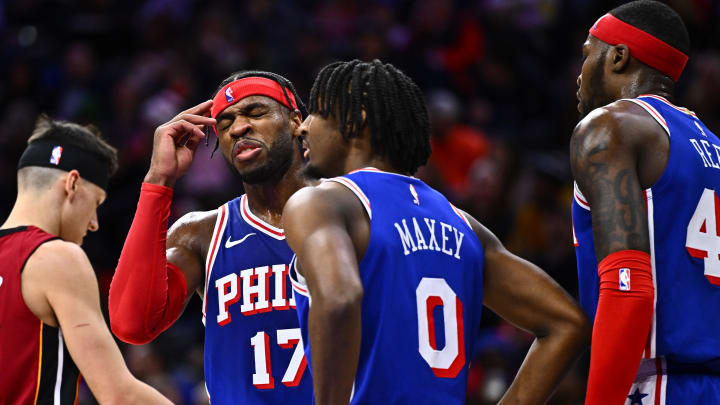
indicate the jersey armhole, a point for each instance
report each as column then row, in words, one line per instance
column 652, row 111
column 352, row 186
column 215, row 245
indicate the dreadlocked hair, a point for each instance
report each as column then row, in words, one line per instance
column 284, row 83
column 394, row 106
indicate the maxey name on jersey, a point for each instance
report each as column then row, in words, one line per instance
column 432, row 235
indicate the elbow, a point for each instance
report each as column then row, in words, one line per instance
column 132, row 332
column 576, row 326
column 339, row 303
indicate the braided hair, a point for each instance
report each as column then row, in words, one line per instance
column 394, row 106
column 284, row 83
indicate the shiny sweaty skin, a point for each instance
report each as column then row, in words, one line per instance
column 617, row 151
column 255, row 122
column 328, row 228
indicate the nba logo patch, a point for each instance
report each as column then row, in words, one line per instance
column 624, row 279
column 55, row 155
column 228, row 95
column 416, row 199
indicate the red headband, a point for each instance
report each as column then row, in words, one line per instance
column 250, row 86
column 644, row 47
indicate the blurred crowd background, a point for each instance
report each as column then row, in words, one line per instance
column 499, row 77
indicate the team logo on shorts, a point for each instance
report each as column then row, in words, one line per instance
column 55, row 155
column 228, row 95
column 624, row 279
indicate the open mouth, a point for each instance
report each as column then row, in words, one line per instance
column 245, row 150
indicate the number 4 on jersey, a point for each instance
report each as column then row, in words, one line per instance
column 703, row 234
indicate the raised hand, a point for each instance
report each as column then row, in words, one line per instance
column 175, row 143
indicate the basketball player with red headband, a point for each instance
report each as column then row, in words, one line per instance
column 646, row 215
column 52, row 330
column 235, row 257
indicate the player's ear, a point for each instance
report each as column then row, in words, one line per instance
column 71, row 183
column 619, row 56
column 296, row 119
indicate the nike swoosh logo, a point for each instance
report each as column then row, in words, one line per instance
column 1, row 280
column 230, row 243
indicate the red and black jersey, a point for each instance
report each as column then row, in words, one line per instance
column 35, row 365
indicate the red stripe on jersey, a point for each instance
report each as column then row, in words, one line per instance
column 216, row 238
column 658, row 381
column 664, row 100
column 460, row 214
column 351, row 184
column 652, row 111
column 258, row 224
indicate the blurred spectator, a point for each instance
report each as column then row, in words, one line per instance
column 499, row 77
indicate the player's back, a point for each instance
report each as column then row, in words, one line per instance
column 253, row 350
column 422, row 282
column 684, row 229
column 36, row 365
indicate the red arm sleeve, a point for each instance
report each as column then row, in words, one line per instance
column 622, row 325
column 147, row 294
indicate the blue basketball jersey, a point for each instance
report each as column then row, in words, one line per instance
column 253, row 347
column 684, row 227
column 422, row 280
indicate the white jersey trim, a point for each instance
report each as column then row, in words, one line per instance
column 352, row 186
column 299, row 285
column 215, row 246
column 652, row 111
column 579, row 197
column 257, row 223
column 650, row 350
column 60, row 361
column 664, row 100
column 460, row 214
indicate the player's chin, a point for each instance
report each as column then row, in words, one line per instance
column 313, row 172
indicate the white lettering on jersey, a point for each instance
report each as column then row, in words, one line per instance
column 705, row 150
column 418, row 242
column 259, row 289
column 705, row 145
column 227, row 290
column 431, row 227
column 253, row 286
column 406, row 238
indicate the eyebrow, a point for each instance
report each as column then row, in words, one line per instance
column 244, row 110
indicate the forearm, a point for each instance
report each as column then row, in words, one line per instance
column 335, row 334
column 132, row 391
column 545, row 364
column 146, row 294
column 622, row 325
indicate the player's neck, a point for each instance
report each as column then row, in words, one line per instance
column 267, row 200
column 361, row 156
column 33, row 209
column 646, row 85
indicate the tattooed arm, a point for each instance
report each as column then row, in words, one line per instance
column 605, row 152
column 604, row 160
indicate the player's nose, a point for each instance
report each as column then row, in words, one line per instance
column 94, row 225
column 302, row 129
column 239, row 128
column 579, row 80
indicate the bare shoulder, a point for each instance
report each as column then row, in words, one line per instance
column 619, row 124
column 193, row 230
column 57, row 269
column 58, row 259
column 326, row 197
